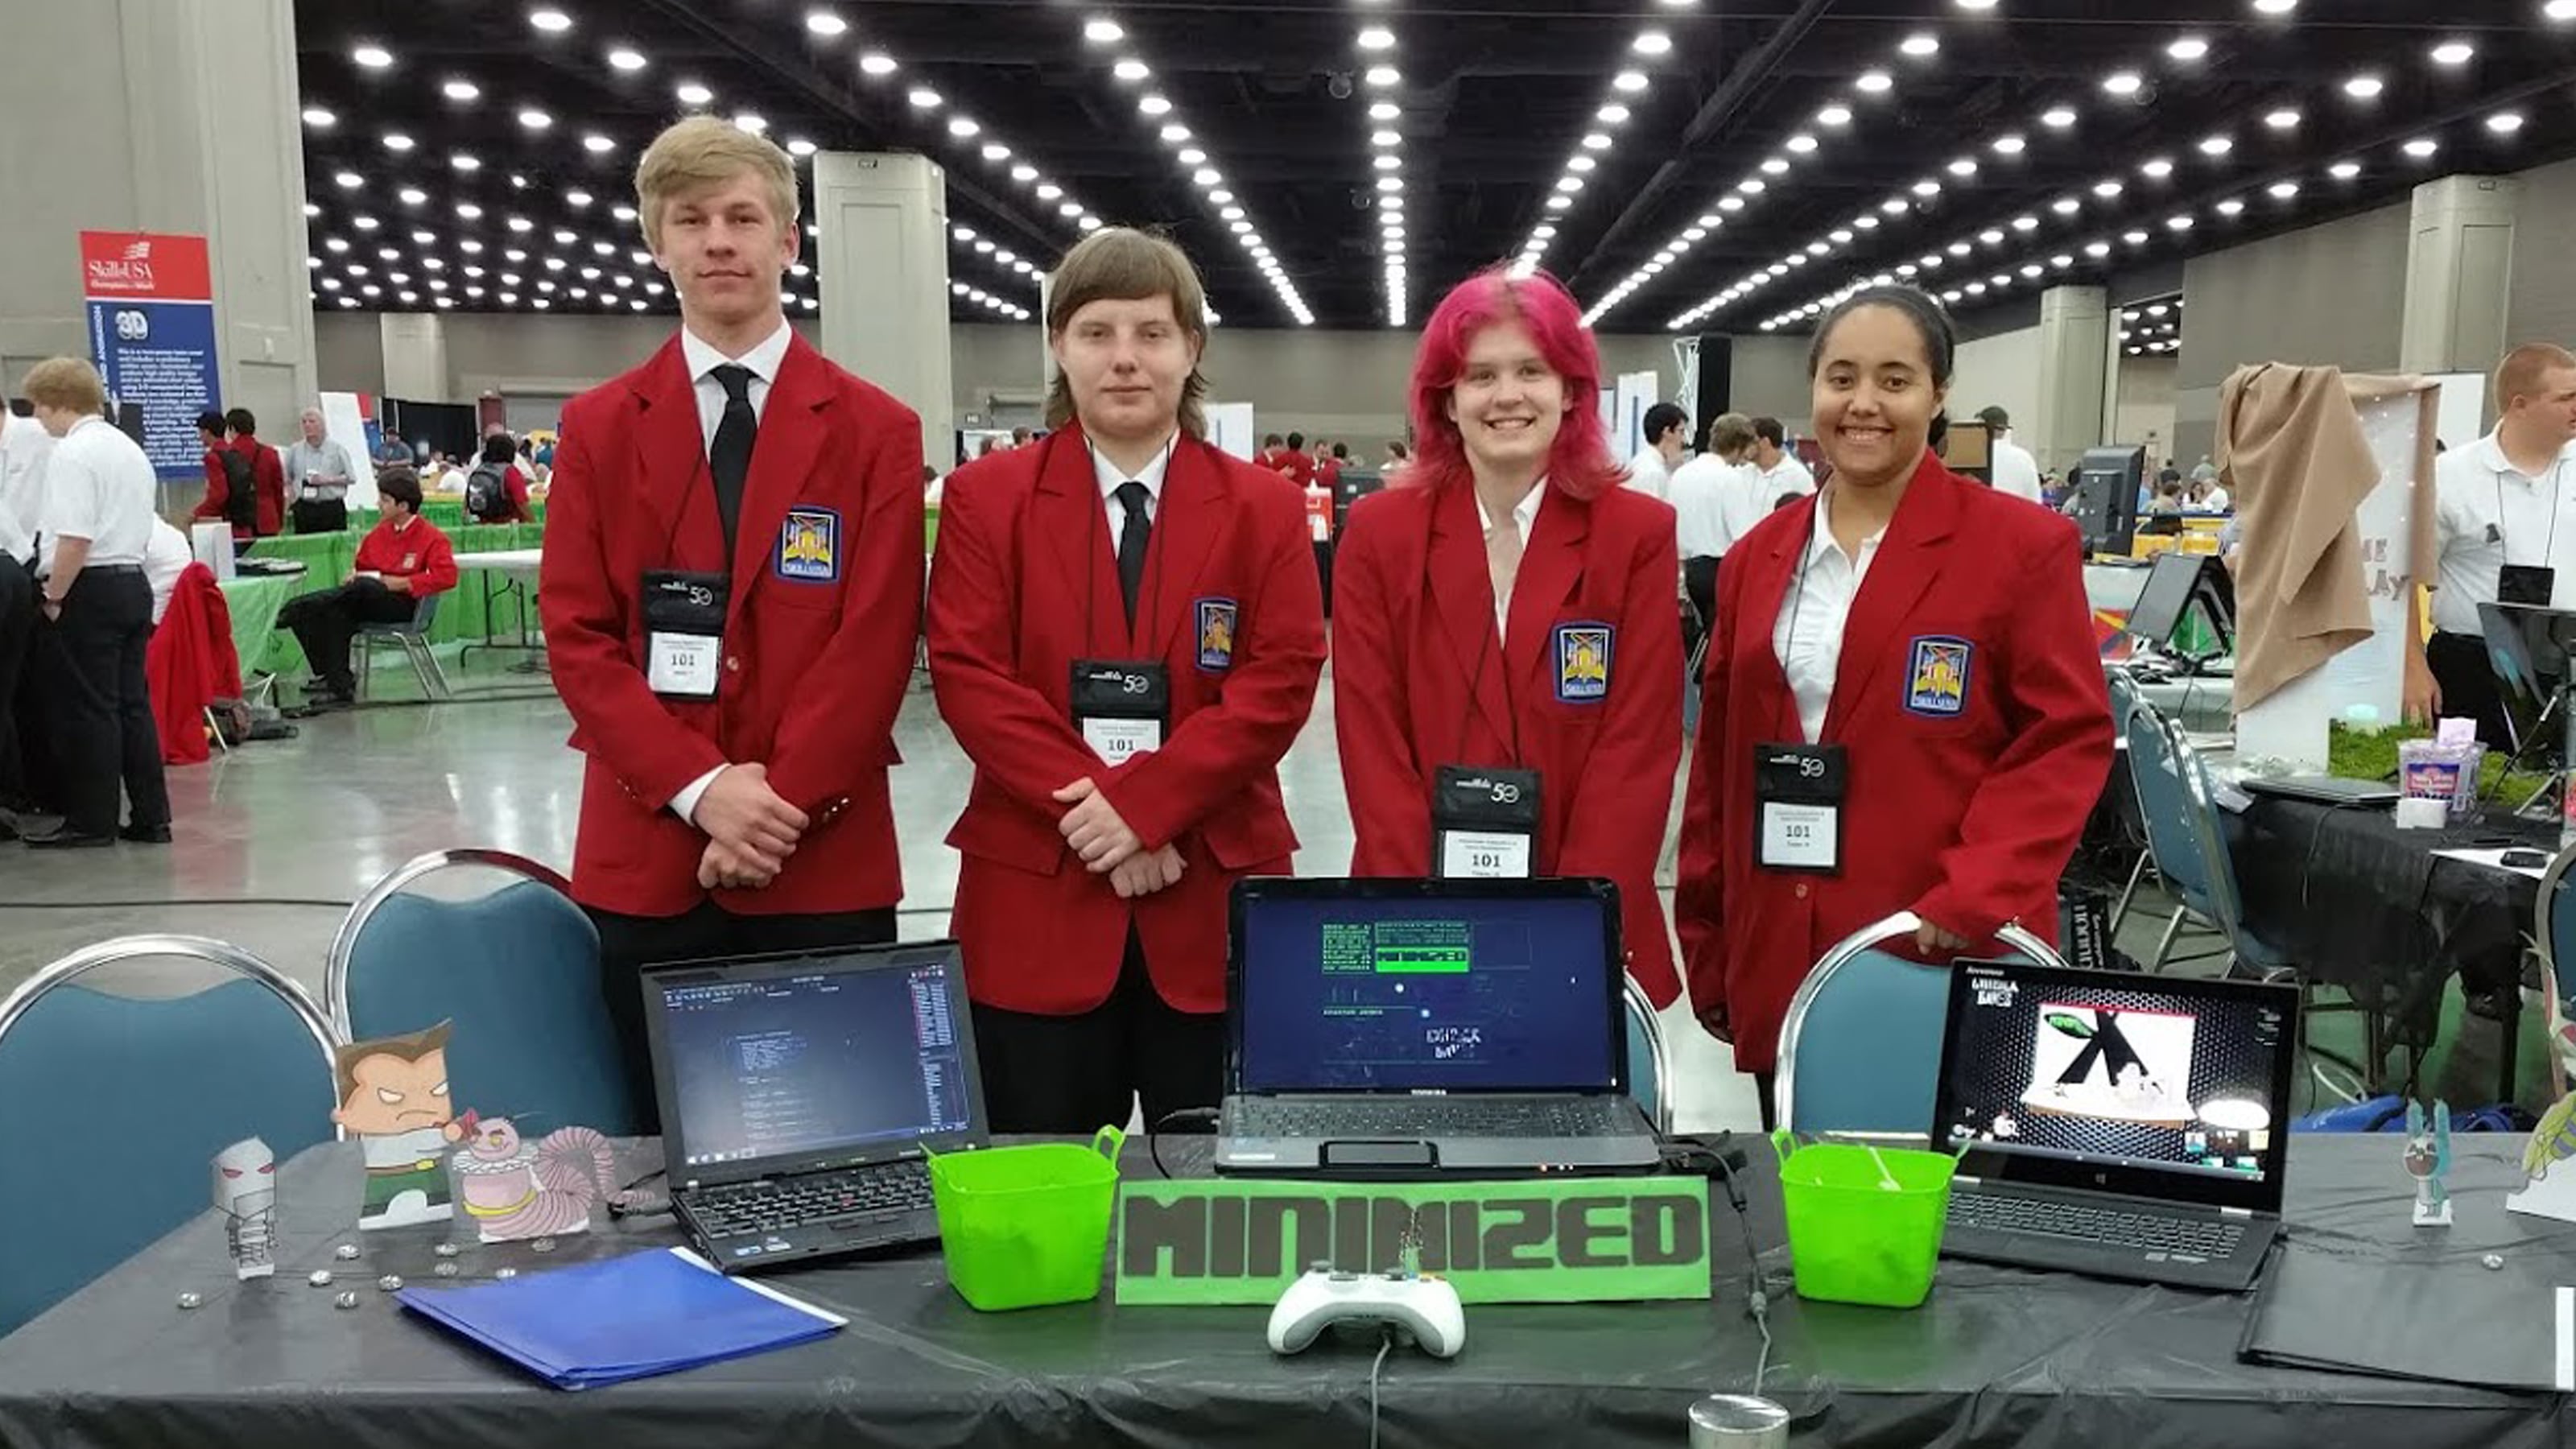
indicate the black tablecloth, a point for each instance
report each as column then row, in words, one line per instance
column 1996, row 1357
column 2353, row 901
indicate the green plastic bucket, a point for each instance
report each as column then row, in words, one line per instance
column 1852, row 1239
column 1023, row 1227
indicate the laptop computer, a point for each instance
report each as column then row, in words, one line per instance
column 2117, row 1125
column 2335, row 790
column 1412, row 1028
column 801, row 1094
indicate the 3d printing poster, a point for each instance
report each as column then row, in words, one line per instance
column 151, row 304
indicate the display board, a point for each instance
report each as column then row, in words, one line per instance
column 347, row 419
column 151, row 303
column 1230, row 428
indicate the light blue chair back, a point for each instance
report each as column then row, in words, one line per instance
column 1860, row 1051
column 2555, row 928
column 517, row 971
column 1650, row 1064
column 2184, row 831
column 116, row 1107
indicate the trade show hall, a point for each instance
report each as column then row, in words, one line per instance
column 1409, row 722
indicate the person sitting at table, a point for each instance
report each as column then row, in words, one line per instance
column 403, row 560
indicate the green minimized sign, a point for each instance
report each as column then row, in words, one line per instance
column 1592, row 1240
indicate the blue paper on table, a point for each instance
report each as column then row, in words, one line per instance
column 623, row 1318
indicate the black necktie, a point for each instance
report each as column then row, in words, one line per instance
column 730, row 457
column 1132, row 537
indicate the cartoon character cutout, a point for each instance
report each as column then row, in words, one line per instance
column 2428, row 1160
column 246, row 1194
column 520, row 1188
column 393, row 1099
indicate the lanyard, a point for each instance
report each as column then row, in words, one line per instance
column 1100, row 515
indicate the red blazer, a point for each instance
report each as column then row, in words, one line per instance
column 268, row 481
column 1025, row 584
column 1413, row 611
column 420, row 553
column 1962, row 807
column 189, row 663
column 814, row 671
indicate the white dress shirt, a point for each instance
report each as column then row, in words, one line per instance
column 1648, row 474
column 306, row 462
column 98, row 486
column 2488, row 514
column 165, row 558
column 24, row 446
column 2217, row 501
column 1786, row 476
column 2015, row 471
column 1808, row 636
column 1700, row 492
column 1524, row 518
column 702, row 360
column 1106, row 474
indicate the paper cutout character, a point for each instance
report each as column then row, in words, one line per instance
column 2427, row 1158
column 517, row 1189
column 393, row 1097
column 2550, row 1187
column 246, row 1194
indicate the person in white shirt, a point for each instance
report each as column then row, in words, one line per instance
column 1704, row 499
column 1775, row 472
column 1667, row 430
column 2010, row 466
column 24, row 446
column 92, row 529
column 165, row 558
column 318, row 474
column 2501, row 502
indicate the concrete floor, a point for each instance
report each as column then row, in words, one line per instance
column 276, row 839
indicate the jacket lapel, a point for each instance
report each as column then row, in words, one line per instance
column 1909, row 559
column 1462, row 593
column 1551, row 568
column 1765, row 594
column 671, row 450
column 793, row 422
column 1069, row 514
column 1191, row 517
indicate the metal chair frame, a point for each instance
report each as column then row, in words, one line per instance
column 344, row 942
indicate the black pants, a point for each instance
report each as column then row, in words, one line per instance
column 2460, row 666
column 1073, row 1075
column 1324, row 573
column 320, row 515
column 326, row 620
column 1699, row 580
column 628, row 944
column 1765, row 1083
column 99, row 705
column 17, row 630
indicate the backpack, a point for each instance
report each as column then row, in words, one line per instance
column 241, row 491
column 487, row 494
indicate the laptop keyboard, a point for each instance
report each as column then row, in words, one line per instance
column 2213, row 1238
column 821, row 1200
column 1425, row 1117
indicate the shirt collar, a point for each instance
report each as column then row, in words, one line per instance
column 1106, row 473
column 2489, row 452
column 763, row 360
column 1524, row 513
column 1821, row 537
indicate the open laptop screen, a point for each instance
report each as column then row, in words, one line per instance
column 2110, row 1070
column 824, row 1055
column 1424, row 989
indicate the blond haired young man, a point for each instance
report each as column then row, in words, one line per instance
column 731, row 591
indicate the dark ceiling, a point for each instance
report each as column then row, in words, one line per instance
column 1754, row 156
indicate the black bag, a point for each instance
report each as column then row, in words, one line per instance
column 487, row 494
column 241, row 491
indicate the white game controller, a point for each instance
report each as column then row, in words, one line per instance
column 1426, row 1308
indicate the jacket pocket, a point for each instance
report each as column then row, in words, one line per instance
column 1006, row 836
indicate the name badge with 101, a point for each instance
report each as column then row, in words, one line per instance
column 1484, row 823
column 1120, row 706
column 684, row 617
column 1798, row 807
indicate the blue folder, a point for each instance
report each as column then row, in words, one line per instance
column 630, row 1317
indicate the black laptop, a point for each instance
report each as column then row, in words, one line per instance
column 2117, row 1125
column 1412, row 1028
column 799, row 1094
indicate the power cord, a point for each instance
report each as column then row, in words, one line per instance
column 1154, row 1133
column 631, row 1202
column 1385, row 1342
column 1719, row 1159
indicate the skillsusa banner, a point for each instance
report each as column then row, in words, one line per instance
column 151, row 303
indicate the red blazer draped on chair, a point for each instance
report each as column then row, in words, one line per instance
column 190, row 664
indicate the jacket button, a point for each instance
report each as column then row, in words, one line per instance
column 1802, row 890
column 733, row 663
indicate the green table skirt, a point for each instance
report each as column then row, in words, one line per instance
column 464, row 617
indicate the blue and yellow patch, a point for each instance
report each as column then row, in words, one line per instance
column 1583, row 662
column 809, row 546
column 1936, row 680
column 1218, row 620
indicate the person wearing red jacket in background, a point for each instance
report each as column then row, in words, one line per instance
column 732, row 626
column 236, row 457
column 1106, row 824
column 1905, row 666
column 1505, row 613
column 509, row 504
column 402, row 560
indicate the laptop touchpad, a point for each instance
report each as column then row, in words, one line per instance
column 1380, row 1154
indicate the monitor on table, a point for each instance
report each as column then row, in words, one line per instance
column 2107, row 481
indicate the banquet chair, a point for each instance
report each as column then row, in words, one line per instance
column 413, row 639
column 2187, row 840
column 119, row 1104
column 1861, row 1047
column 1650, row 1062
column 2555, row 930
column 515, row 968
column 2124, row 808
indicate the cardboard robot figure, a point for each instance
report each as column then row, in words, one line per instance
column 246, row 1194
column 2428, row 1159
column 393, row 1099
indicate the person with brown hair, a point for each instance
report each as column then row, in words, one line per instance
column 731, row 592
column 1125, row 635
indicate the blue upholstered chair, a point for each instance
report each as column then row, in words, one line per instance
column 1650, row 1064
column 2555, row 930
column 117, row 1106
column 1861, row 1048
column 2188, row 840
column 413, row 639
column 516, row 969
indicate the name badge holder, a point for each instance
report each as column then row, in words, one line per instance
column 684, row 619
column 1798, row 807
column 1121, row 706
column 1484, row 823
column 2526, row 584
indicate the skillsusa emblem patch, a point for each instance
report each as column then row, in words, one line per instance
column 1217, row 621
column 809, row 546
column 1583, row 662
column 1936, row 681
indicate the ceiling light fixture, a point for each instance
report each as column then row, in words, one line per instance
column 550, row 21
column 1919, row 46
column 826, row 24
column 2057, row 118
column 877, row 62
column 373, row 57
column 693, row 94
column 626, row 58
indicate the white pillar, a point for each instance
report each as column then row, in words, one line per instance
column 2459, row 270
column 415, row 345
column 883, row 256
column 2072, row 361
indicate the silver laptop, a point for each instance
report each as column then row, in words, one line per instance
column 2117, row 1125
column 1426, row 1028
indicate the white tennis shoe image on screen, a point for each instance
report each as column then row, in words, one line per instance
column 2119, row 1065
